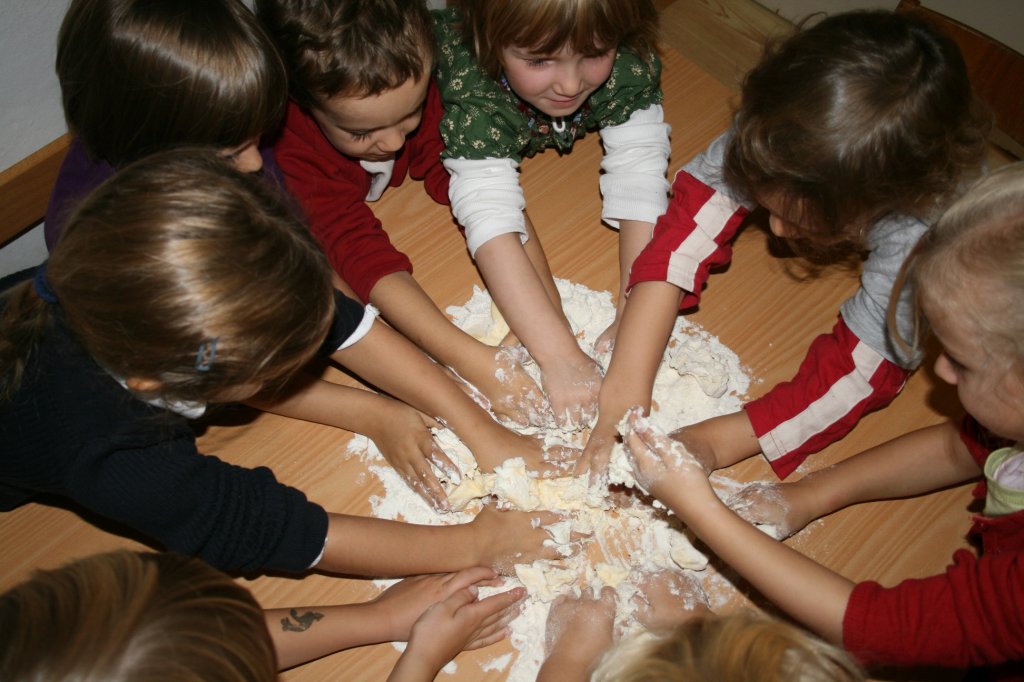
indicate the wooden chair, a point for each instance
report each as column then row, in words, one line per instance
column 26, row 186
column 996, row 71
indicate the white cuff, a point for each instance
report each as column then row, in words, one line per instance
column 634, row 184
column 369, row 315
column 486, row 198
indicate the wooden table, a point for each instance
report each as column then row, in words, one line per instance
column 754, row 307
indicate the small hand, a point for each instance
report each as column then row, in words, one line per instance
column 660, row 463
column 767, row 504
column 507, row 538
column 514, row 395
column 459, row 622
column 606, row 341
column 578, row 631
column 405, row 601
column 406, row 442
column 550, row 461
column 572, row 386
column 668, row 598
column 598, row 452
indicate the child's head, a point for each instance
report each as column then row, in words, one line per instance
column 967, row 273
column 556, row 53
column 131, row 616
column 733, row 648
column 859, row 116
column 360, row 68
column 141, row 76
column 182, row 275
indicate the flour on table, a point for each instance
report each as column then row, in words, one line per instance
column 626, row 537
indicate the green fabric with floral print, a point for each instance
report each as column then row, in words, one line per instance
column 484, row 120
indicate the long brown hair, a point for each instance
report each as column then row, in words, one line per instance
column 546, row 26
column 125, row 616
column 140, row 76
column 351, row 48
column 177, row 257
column 859, row 116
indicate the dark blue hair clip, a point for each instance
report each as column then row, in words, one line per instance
column 42, row 285
column 206, row 354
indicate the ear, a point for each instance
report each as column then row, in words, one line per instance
column 140, row 385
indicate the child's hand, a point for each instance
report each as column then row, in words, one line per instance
column 404, row 438
column 405, row 601
column 513, row 394
column 506, row 538
column 662, row 466
column 458, row 623
column 572, row 386
column 550, row 461
column 771, row 505
column 668, row 598
column 578, row 632
column 606, row 341
column 597, row 452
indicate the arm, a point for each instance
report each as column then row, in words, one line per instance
column 633, row 237
column 302, row 634
column 578, row 631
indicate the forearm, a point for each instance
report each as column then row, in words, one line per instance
column 565, row 666
column 414, row 666
column 539, row 260
column 803, row 588
column 634, row 235
column 323, row 402
column 306, row 633
column 720, row 441
column 913, row 464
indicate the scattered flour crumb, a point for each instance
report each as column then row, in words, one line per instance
column 628, row 537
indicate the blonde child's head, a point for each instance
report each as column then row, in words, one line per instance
column 862, row 115
column 184, row 275
column 967, row 275
column 587, row 27
column 130, row 616
column 141, row 76
column 733, row 648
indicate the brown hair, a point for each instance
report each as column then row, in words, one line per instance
column 140, row 76
column 175, row 252
column 733, row 648
column 546, row 26
column 971, row 263
column 133, row 616
column 354, row 48
column 862, row 115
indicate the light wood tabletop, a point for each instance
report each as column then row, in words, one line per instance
column 755, row 307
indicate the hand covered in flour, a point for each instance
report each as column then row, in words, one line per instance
column 550, row 461
column 403, row 436
column 503, row 539
column 401, row 604
column 578, row 631
column 598, row 451
column 512, row 394
column 460, row 622
column 572, row 386
column 662, row 466
column 775, row 507
column 668, row 598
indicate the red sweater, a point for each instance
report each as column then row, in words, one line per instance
column 332, row 189
column 971, row 615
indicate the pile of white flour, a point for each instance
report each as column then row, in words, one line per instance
column 627, row 538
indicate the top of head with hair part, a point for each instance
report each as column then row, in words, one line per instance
column 141, row 76
column 351, row 48
column 179, row 250
column 861, row 115
column 548, row 26
column 125, row 616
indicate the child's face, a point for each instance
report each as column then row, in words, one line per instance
column 373, row 128
column 246, row 157
column 556, row 84
column 989, row 390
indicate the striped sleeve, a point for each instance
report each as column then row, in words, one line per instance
column 840, row 380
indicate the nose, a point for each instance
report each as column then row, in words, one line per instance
column 248, row 159
column 391, row 140
column 568, row 81
column 944, row 370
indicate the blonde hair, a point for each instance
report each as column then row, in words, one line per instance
column 175, row 256
column 126, row 616
column 732, row 648
column 971, row 263
column 546, row 26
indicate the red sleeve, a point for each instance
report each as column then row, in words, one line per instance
column 425, row 147
column 971, row 615
column 691, row 238
column 839, row 381
column 331, row 188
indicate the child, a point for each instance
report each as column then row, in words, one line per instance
column 130, row 615
column 967, row 276
column 181, row 282
column 516, row 78
column 204, row 72
column 365, row 115
column 853, row 134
